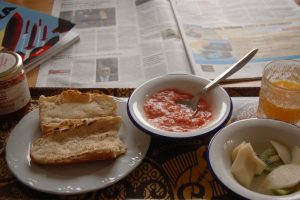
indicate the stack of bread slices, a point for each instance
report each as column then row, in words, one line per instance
column 77, row 127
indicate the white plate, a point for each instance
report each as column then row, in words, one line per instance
column 74, row 178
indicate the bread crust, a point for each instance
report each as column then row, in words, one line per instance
column 87, row 157
column 87, row 146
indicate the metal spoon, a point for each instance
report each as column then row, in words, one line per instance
column 193, row 103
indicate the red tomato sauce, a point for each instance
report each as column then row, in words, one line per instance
column 165, row 113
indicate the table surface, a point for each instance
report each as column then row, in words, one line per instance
column 46, row 7
column 170, row 170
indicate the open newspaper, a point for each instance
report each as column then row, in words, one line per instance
column 127, row 42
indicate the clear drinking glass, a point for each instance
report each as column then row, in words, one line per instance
column 279, row 96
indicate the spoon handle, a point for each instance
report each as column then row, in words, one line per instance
column 234, row 68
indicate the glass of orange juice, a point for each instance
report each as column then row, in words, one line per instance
column 279, row 96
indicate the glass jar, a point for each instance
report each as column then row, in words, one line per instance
column 14, row 90
column 279, row 96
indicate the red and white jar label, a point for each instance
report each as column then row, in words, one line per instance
column 14, row 97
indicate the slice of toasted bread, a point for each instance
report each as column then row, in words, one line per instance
column 77, row 147
column 72, row 108
column 77, row 127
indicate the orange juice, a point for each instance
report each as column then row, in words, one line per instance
column 276, row 109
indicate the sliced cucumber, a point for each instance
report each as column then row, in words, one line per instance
column 271, row 158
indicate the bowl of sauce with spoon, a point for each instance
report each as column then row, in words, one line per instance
column 153, row 107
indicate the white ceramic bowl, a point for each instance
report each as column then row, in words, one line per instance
column 258, row 132
column 218, row 99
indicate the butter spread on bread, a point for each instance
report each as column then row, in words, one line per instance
column 72, row 108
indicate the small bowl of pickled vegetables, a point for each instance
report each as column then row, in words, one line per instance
column 257, row 159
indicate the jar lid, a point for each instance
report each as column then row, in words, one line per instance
column 10, row 63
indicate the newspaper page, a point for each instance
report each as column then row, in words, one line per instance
column 122, row 43
column 218, row 33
